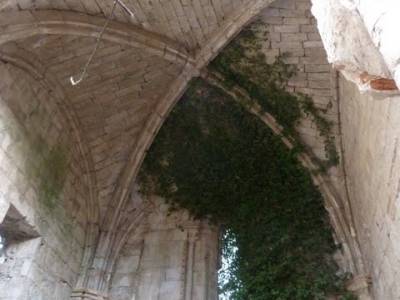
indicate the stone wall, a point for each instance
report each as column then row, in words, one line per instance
column 292, row 32
column 361, row 40
column 168, row 256
column 371, row 136
column 148, row 267
column 42, row 187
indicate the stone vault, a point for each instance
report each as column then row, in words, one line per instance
column 101, row 240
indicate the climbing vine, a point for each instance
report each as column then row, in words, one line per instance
column 243, row 63
column 221, row 163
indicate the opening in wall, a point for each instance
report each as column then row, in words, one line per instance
column 2, row 248
column 226, row 272
column 18, row 244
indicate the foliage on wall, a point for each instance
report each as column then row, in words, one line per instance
column 243, row 63
column 221, row 163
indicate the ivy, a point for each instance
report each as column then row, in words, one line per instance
column 243, row 64
column 221, row 163
column 325, row 128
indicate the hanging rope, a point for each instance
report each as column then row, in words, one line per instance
column 98, row 40
column 126, row 8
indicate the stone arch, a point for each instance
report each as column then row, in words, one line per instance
column 27, row 63
column 30, row 154
column 341, row 221
column 28, row 24
column 31, row 65
column 226, row 33
column 342, row 225
column 25, row 24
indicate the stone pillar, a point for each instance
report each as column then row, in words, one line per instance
column 360, row 286
column 193, row 236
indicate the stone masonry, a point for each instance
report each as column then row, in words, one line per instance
column 75, row 226
column 48, row 262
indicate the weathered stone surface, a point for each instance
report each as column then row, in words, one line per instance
column 44, row 267
column 303, row 51
column 368, row 45
column 108, row 122
column 370, row 138
column 158, row 258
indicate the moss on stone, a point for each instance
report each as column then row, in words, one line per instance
column 47, row 167
column 53, row 171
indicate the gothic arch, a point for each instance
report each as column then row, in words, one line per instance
column 342, row 224
column 27, row 63
column 26, row 24
column 19, row 26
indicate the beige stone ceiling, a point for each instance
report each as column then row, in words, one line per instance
column 141, row 68
column 114, row 100
column 189, row 22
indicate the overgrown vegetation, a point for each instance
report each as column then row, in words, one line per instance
column 216, row 160
column 243, row 64
column 219, row 162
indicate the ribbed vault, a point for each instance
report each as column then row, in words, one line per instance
column 140, row 70
column 113, row 101
column 190, row 23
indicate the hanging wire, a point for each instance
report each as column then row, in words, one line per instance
column 85, row 68
column 126, row 8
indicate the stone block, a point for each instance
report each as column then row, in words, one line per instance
column 297, row 21
column 287, row 28
column 322, row 68
column 313, row 36
column 308, row 28
column 303, row 5
column 274, row 36
column 294, row 52
column 288, row 4
column 291, row 60
column 271, row 12
column 319, row 76
column 273, row 20
column 314, row 92
column 293, row 37
column 286, row 45
column 296, row 13
column 313, row 44
column 319, row 84
column 313, row 60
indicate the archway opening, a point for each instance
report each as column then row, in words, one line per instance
column 217, row 158
column 2, row 248
column 221, row 163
